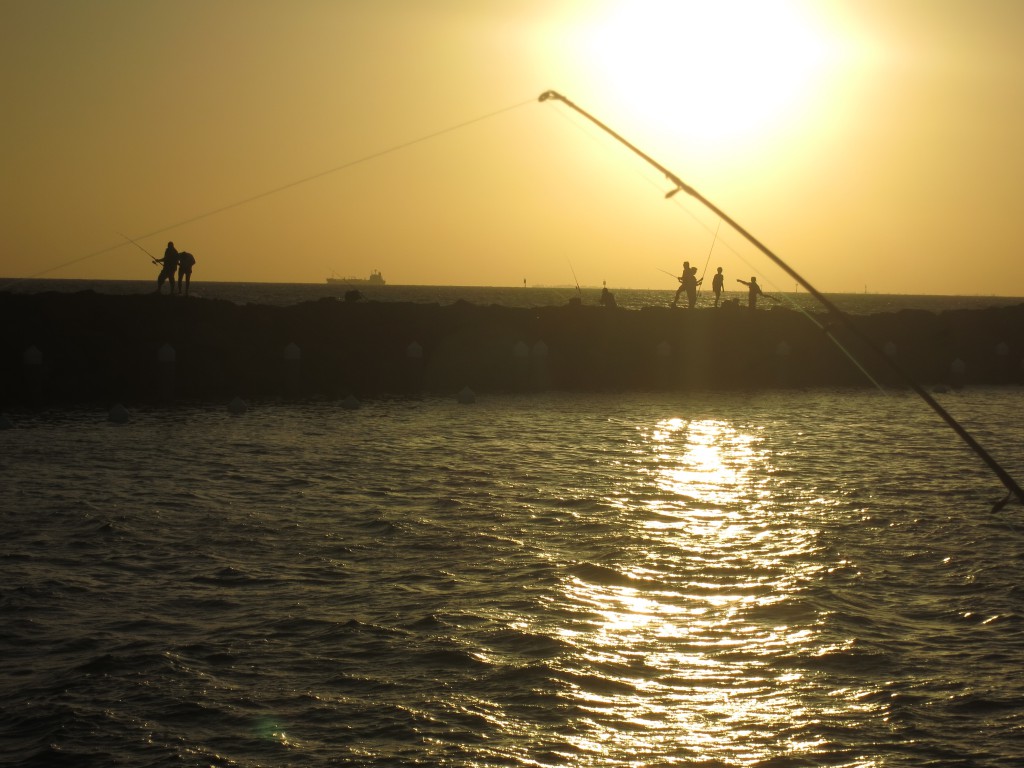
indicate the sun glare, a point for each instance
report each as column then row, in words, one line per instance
column 706, row 596
column 720, row 75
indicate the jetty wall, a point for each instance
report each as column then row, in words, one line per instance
column 87, row 348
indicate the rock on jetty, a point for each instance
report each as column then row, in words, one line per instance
column 87, row 347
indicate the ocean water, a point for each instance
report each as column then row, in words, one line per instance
column 751, row 579
column 283, row 294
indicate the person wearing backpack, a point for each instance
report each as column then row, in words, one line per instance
column 185, row 263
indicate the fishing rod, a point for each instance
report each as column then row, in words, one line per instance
column 707, row 261
column 579, row 293
column 1013, row 489
column 151, row 256
column 673, row 274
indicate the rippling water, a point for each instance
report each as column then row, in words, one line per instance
column 790, row 579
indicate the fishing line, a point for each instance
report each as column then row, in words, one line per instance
column 810, row 318
column 708, row 259
column 716, row 237
column 151, row 256
column 680, row 186
column 719, row 237
column 646, row 177
column 579, row 293
column 792, row 304
column 283, row 187
column 680, row 204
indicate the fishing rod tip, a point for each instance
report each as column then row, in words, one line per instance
column 548, row 95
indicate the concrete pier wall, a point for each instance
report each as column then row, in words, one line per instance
column 88, row 347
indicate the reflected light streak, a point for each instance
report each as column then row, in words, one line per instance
column 717, row 459
column 679, row 659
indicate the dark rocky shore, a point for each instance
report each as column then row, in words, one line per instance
column 86, row 347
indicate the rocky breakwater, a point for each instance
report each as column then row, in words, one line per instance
column 91, row 348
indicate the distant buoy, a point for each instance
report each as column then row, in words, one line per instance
column 118, row 414
column 350, row 403
column 466, row 396
column 238, row 405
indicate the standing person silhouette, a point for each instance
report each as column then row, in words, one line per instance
column 682, row 283
column 607, row 297
column 170, row 262
column 690, row 283
column 753, row 291
column 185, row 263
column 717, row 283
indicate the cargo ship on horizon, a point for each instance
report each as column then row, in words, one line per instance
column 375, row 278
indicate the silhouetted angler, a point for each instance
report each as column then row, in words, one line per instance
column 753, row 291
column 185, row 263
column 688, row 282
column 170, row 266
column 717, row 283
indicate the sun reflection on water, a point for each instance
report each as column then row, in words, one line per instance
column 717, row 459
column 686, row 629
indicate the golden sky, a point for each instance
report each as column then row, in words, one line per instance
column 872, row 144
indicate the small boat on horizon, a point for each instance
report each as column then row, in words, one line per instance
column 375, row 278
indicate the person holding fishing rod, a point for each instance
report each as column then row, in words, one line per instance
column 688, row 282
column 170, row 262
column 753, row 291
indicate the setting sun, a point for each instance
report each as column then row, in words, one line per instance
column 719, row 75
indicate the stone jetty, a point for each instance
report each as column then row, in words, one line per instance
column 70, row 348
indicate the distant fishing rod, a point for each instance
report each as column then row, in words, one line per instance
column 673, row 274
column 1013, row 489
column 578, row 291
column 151, row 256
column 708, row 259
